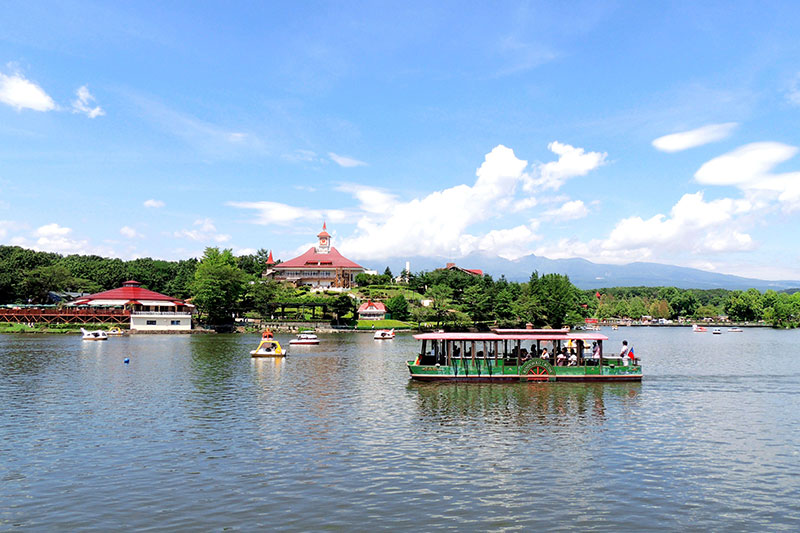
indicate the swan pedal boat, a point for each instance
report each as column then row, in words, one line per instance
column 98, row 335
column 384, row 334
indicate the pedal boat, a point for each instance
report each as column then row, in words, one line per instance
column 98, row 335
column 384, row 334
column 268, row 348
column 304, row 339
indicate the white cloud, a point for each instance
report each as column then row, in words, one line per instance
column 129, row 232
column 509, row 243
column 437, row 224
column 153, row 203
column 21, row 93
column 749, row 168
column 56, row 238
column 568, row 211
column 676, row 142
column 346, row 162
column 283, row 214
column 371, row 200
column 203, row 231
column 572, row 162
column 83, row 103
column 695, row 225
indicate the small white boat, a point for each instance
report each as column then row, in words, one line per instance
column 698, row 329
column 304, row 338
column 98, row 335
column 735, row 330
column 384, row 334
column 716, row 331
column 268, row 347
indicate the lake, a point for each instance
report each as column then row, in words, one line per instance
column 193, row 434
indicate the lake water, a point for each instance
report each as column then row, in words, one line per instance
column 193, row 434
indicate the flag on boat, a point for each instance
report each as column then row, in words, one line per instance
column 630, row 353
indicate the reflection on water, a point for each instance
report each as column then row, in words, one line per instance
column 196, row 434
column 522, row 403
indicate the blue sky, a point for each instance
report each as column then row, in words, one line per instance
column 612, row 131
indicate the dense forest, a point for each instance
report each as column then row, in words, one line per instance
column 224, row 286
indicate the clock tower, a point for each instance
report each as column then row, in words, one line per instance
column 324, row 241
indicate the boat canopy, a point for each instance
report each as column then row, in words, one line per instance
column 514, row 334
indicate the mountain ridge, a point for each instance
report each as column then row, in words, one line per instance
column 586, row 274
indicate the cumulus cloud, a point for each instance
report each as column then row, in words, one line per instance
column 693, row 226
column 572, row 162
column 153, row 203
column 56, row 238
column 129, row 232
column 21, row 93
column 441, row 223
column 437, row 224
column 83, row 103
column 676, row 142
column 568, row 211
column 344, row 161
column 371, row 199
column 203, row 231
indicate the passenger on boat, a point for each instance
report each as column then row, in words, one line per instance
column 624, row 353
column 524, row 354
column 545, row 355
column 595, row 350
column 573, row 358
column 561, row 358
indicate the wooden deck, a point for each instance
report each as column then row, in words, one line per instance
column 65, row 316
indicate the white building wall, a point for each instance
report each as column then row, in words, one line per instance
column 162, row 322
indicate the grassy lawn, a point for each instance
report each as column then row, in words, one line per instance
column 9, row 327
column 382, row 324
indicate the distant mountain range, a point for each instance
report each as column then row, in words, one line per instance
column 587, row 275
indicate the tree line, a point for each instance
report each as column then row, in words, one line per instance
column 224, row 286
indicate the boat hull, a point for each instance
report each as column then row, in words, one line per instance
column 303, row 343
column 256, row 354
column 534, row 371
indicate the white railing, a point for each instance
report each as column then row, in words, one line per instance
column 160, row 313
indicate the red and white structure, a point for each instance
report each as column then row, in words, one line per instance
column 149, row 310
column 370, row 310
column 320, row 267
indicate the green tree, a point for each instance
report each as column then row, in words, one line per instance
column 477, row 303
column 218, row 284
column 440, row 295
column 342, row 306
column 41, row 280
column 398, row 307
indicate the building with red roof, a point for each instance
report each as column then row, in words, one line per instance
column 150, row 310
column 370, row 310
column 320, row 266
column 471, row 271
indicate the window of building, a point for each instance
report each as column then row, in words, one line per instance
column 174, row 322
column 151, row 322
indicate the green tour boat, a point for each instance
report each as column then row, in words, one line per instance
column 508, row 355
